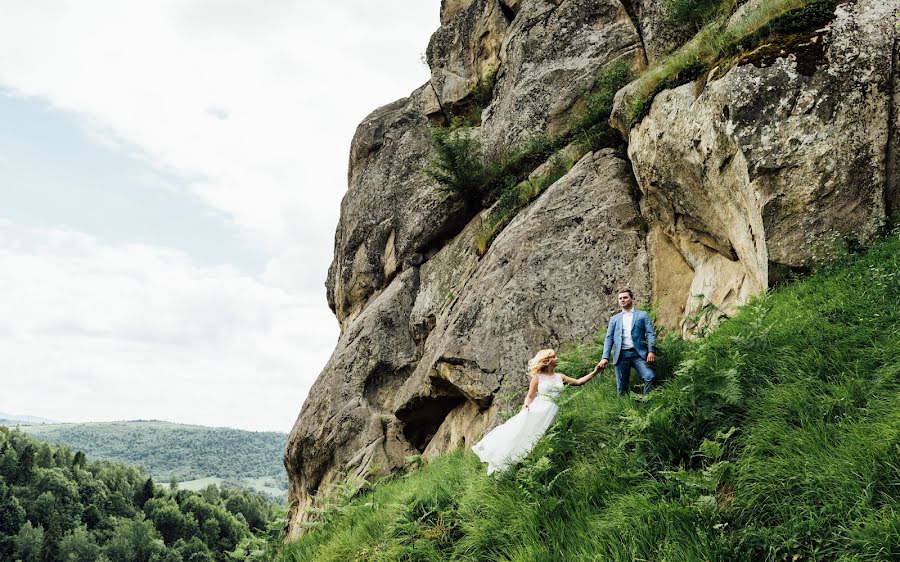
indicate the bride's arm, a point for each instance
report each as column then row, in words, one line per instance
column 582, row 380
column 532, row 392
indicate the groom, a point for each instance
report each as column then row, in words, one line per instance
column 631, row 334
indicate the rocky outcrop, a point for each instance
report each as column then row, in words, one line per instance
column 393, row 215
column 435, row 357
column 552, row 54
column 764, row 165
column 775, row 162
column 344, row 426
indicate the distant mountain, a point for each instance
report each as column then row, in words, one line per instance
column 12, row 419
column 195, row 456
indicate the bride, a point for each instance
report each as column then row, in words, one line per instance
column 511, row 441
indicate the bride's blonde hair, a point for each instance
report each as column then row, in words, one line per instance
column 539, row 362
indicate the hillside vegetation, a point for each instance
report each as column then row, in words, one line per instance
column 59, row 505
column 192, row 455
column 776, row 437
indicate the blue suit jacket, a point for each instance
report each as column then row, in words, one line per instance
column 642, row 335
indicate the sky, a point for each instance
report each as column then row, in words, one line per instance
column 170, row 182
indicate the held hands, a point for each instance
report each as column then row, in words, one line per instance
column 604, row 363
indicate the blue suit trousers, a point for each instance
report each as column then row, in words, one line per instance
column 631, row 358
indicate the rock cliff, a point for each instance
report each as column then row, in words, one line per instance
column 761, row 162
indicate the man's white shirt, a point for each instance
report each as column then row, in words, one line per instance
column 627, row 323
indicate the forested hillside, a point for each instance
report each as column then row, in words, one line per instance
column 776, row 437
column 58, row 505
column 195, row 456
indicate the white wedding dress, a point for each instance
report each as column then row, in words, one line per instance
column 511, row 441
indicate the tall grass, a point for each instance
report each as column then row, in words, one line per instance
column 777, row 437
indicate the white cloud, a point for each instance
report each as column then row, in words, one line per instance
column 292, row 77
column 254, row 104
column 93, row 331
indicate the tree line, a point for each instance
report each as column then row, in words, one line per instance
column 182, row 452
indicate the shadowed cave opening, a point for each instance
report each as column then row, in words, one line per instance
column 422, row 417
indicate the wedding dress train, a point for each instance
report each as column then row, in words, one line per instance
column 512, row 440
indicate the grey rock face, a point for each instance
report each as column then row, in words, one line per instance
column 551, row 55
column 772, row 163
column 449, row 9
column 512, row 5
column 466, row 48
column 391, row 210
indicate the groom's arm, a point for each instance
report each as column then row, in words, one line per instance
column 607, row 343
column 651, row 335
column 651, row 339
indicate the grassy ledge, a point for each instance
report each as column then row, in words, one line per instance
column 776, row 437
column 721, row 41
column 504, row 180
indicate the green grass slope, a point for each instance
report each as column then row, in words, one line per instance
column 191, row 454
column 777, row 437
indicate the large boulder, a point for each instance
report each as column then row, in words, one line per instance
column 773, row 164
column 552, row 54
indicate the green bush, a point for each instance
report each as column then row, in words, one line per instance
column 591, row 127
column 461, row 165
